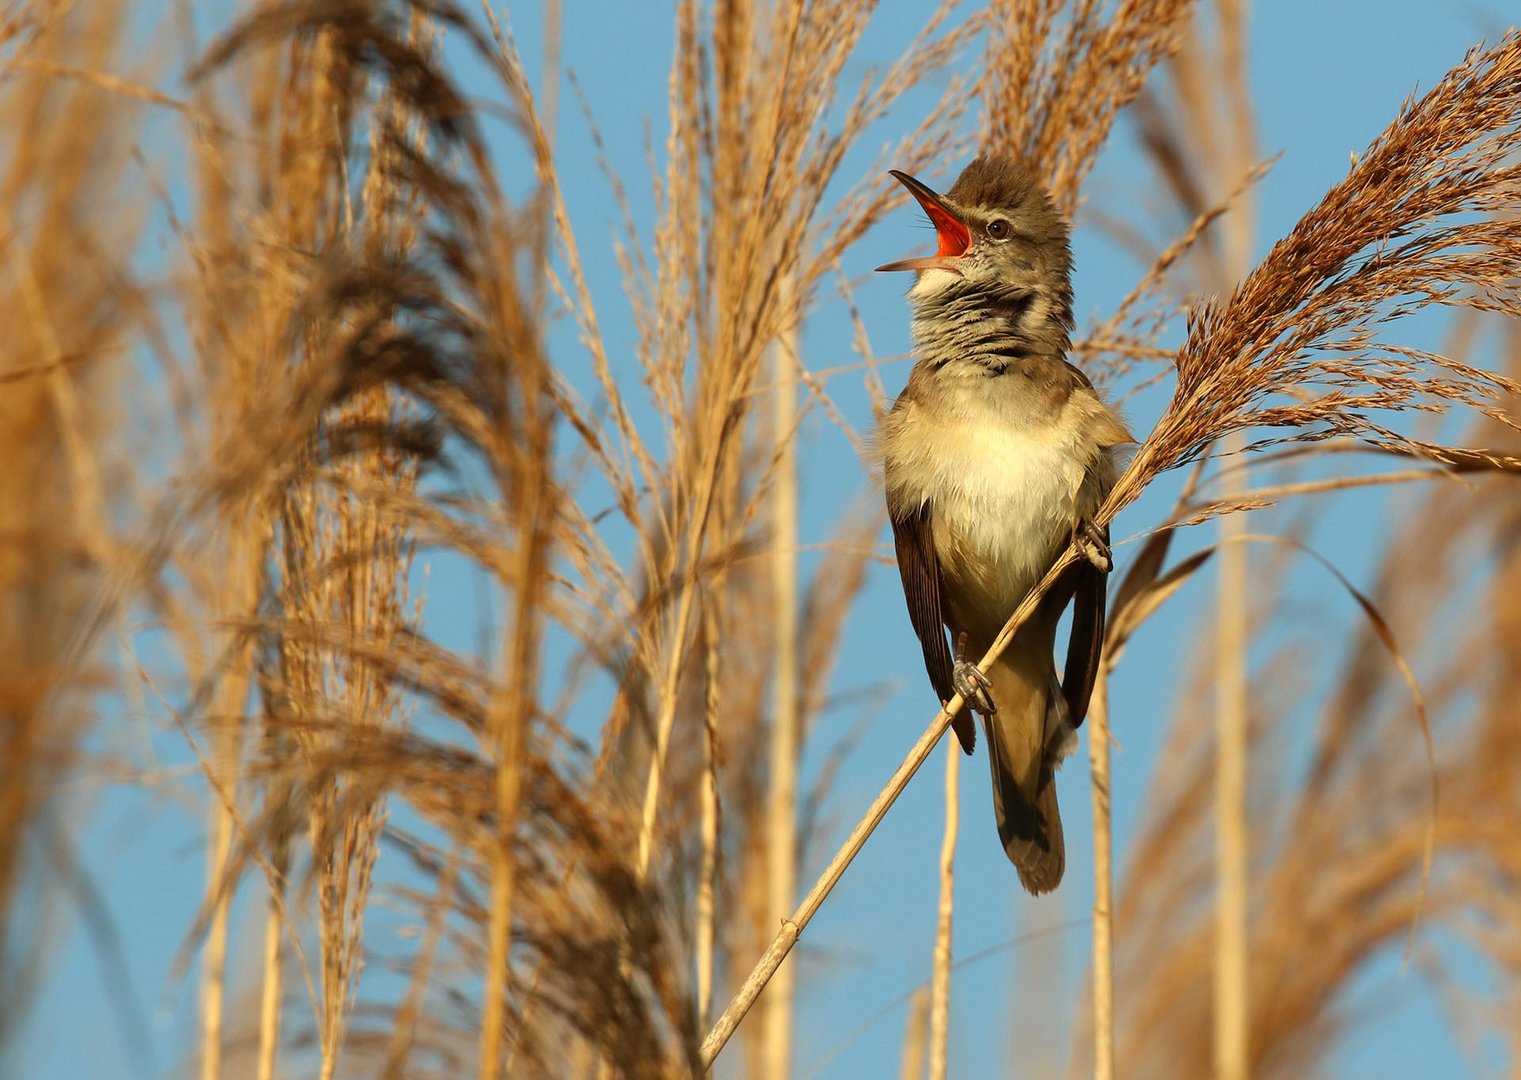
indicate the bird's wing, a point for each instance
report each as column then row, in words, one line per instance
column 1090, row 584
column 914, row 537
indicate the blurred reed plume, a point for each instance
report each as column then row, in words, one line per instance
column 302, row 332
column 63, row 237
column 1338, row 872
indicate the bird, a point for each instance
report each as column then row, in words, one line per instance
column 996, row 456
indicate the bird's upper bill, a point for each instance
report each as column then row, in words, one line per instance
column 954, row 236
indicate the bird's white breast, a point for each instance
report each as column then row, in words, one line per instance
column 1006, row 490
column 1007, row 496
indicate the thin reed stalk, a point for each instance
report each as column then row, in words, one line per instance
column 781, row 812
column 1232, row 971
column 272, row 975
column 1231, row 830
column 240, row 587
column 1103, row 882
column 707, row 881
column 915, row 1036
column 940, row 984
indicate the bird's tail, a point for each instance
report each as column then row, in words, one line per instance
column 1021, row 755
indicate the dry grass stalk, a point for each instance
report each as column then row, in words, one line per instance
column 1060, row 73
column 915, row 1036
column 792, row 928
column 272, row 989
column 1202, row 142
column 707, row 879
column 781, row 945
column 782, row 804
column 523, row 444
column 1232, row 843
column 940, row 987
column 1103, row 882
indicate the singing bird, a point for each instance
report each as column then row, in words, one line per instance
column 997, row 453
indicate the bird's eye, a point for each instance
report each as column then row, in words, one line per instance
column 998, row 229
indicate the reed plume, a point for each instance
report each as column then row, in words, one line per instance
column 70, row 312
column 376, row 354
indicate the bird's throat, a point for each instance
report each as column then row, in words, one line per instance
column 992, row 330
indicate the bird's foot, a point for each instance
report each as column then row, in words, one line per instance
column 1093, row 542
column 973, row 686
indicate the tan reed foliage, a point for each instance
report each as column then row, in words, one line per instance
column 66, row 227
column 344, row 560
column 1202, row 143
column 1339, row 877
column 276, row 219
column 371, row 370
column 1388, row 240
column 690, row 489
column 1303, row 319
column 1060, row 73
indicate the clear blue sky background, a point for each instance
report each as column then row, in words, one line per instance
column 1327, row 77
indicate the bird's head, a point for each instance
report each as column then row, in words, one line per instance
column 1002, row 247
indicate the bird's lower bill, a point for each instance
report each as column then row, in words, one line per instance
column 929, row 262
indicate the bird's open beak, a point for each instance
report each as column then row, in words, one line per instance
column 955, row 238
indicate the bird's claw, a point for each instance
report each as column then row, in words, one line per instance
column 1094, row 544
column 974, row 687
column 969, row 681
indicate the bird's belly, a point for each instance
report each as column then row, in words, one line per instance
column 1005, row 506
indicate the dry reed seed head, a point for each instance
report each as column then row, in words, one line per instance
column 1055, row 88
column 69, row 219
column 1364, row 757
column 334, row 548
column 1335, row 873
column 1388, row 240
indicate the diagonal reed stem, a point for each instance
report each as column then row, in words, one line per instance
column 792, row 927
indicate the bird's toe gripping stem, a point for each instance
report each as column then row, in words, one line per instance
column 1093, row 542
column 973, row 686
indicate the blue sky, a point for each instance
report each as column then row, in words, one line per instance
column 1326, row 78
